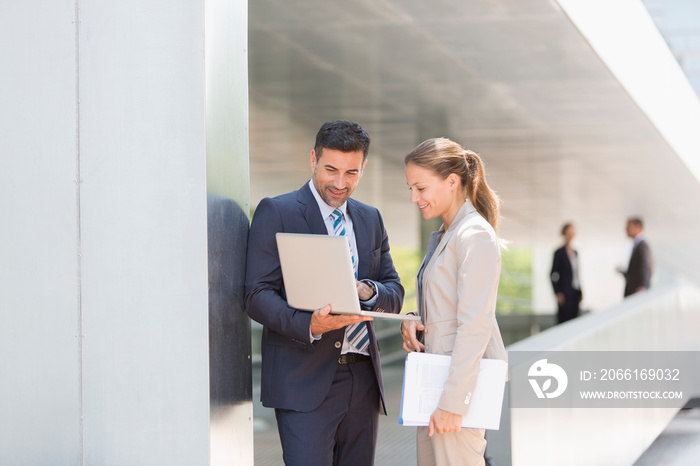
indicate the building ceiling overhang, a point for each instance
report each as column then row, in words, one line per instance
column 518, row 81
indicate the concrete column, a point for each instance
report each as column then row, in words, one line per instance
column 104, row 302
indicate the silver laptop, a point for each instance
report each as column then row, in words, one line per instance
column 317, row 270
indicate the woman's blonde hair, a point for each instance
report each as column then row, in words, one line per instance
column 444, row 157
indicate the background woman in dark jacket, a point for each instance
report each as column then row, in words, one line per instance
column 565, row 279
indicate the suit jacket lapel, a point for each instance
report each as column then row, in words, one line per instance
column 423, row 271
column 461, row 216
column 463, row 212
column 310, row 211
column 360, row 228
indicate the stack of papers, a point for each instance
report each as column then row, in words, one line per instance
column 423, row 381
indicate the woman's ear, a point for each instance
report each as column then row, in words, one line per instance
column 454, row 181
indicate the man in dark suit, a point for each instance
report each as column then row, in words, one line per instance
column 638, row 274
column 325, row 384
column 564, row 275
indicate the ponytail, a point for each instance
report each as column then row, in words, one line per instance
column 478, row 191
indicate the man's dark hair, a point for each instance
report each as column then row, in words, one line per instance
column 636, row 221
column 342, row 135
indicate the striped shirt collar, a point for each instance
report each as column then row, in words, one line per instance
column 325, row 209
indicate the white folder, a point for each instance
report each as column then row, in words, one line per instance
column 423, row 383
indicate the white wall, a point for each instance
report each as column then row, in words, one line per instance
column 103, row 298
column 39, row 276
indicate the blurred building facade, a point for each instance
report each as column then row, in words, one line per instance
column 559, row 99
column 679, row 24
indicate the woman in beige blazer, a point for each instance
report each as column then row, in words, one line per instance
column 457, row 285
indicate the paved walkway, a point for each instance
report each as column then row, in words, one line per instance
column 395, row 445
column 678, row 444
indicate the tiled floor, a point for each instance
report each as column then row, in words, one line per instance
column 678, row 444
column 395, row 445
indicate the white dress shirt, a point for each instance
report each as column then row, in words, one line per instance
column 573, row 259
column 327, row 214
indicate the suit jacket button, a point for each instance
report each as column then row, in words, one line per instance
column 468, row 398
column 338, row 344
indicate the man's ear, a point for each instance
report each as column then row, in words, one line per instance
column 362, row 170
column 313, row 160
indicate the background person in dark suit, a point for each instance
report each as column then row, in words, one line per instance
column 326, row 390
column 640, row 268
column 564, row 275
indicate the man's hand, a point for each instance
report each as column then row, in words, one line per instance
column 443, row 421
column 323, row 321
column 408, row 333
column 364, row 291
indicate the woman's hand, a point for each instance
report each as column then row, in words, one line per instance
column 561, row 298
column 443, row 421
column 408, row 333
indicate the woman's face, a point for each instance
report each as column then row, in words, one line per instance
column 569, row 233
column 433, row 195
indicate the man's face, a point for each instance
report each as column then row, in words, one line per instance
column 336, row 174
column 632, row 229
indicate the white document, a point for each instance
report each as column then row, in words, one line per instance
column 423, row 381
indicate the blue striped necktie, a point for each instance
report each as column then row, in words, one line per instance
column 357, row 334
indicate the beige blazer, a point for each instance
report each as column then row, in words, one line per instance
column 457, row 301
